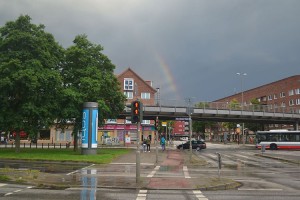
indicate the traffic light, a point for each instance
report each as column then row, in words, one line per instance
column 136, row 112
column 156, row 124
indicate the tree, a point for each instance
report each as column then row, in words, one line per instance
column 254, row 126
column 88, row 77
column 29, row 78
column 199, row 126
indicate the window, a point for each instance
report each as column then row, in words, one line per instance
column 297, row 91
column 283, row 104
column 270, row 97
column 291, row 92
column 145, row 95
column 129, row 95
column 146, row 122
column 111, row 121
column 282, row 94
column 291, row 102
column 128, row 84
column 275, row 96
column 297, row 101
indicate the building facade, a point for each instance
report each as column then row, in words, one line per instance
column 279, row 96
column 122, row 131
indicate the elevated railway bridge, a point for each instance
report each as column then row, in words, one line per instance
column 222, row 112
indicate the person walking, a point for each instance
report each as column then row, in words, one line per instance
column 163, row 143
column 148, row 142
column 144, row 145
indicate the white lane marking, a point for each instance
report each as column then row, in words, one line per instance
column 211, row 155
column 17, row 190
column 260, row 189
column 10, row 193
column 142, row 195
column 247, row 157
column 153, row 172
column 186, row 172
column 131, row 164
column 199, row 195
column 2, row 184
column 80, row 169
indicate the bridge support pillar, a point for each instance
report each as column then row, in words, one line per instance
column 296, row 126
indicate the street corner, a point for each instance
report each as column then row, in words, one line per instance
column 169, row 183
column 214, row 183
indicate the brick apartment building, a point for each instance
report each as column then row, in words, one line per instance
column 278, row 96
column 115, row 131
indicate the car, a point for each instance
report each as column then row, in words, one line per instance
column 196, row 144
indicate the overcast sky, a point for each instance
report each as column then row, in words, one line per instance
column 188, row 48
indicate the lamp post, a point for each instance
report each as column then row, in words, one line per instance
column 242, row 92
column 189, row 110
column 157, row 97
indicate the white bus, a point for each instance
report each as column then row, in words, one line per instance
column 278, row 139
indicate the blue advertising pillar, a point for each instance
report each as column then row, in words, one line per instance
column 89, row 128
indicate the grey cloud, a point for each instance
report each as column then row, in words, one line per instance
column 203, row 42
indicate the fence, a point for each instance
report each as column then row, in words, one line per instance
column 40, row 146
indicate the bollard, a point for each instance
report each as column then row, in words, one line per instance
column 219, row 163
column 263, row 148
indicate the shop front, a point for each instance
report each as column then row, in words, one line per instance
column 123, row 134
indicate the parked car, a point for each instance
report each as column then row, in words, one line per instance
column 196, row 144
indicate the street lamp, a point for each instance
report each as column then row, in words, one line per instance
column 242, row 91
column 157, row 97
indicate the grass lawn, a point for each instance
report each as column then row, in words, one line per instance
column 103, row 155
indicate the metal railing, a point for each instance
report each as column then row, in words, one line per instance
column 230, row 106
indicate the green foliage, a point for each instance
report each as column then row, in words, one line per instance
column 41, row 82
column 103, row 155
column 202, row 105
column 88, row 77
column 234, row 104
column 29, row 78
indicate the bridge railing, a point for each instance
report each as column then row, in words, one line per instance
column 229, row 106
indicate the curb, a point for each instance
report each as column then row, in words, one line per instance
column 281, row 159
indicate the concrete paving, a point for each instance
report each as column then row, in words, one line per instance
column 169, row 169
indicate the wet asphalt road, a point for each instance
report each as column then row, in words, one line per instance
column 261, row 178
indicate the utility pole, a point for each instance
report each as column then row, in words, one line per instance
column 242, row 92
column 138, row 161
column 156, row 138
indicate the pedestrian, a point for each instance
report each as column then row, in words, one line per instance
column 163, row 143
column 144, row 145
column 148, row 142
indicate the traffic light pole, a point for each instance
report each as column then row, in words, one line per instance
column 138, row 161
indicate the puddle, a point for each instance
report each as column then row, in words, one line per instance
column 48, row 167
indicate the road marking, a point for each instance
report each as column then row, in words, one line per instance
column 131, row 164
column 10, row 193
column 2, row 184
column 142, row 195
column 260, row 189
column 247, row 157
column 80, row 169
column 153, row 172
column 186, row 172
column 199, row 195
column 17, row 190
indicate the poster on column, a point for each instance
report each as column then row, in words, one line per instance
column 85, row 128
column 94, row 128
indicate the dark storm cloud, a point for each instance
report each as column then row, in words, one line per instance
column 203, row 43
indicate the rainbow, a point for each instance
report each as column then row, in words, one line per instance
column 168, row 74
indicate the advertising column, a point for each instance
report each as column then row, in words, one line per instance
column 89, row 128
